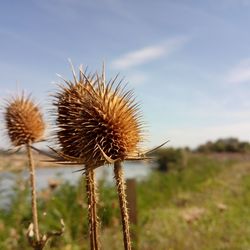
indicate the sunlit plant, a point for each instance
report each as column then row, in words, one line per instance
column 25, row 125
column 98, row 122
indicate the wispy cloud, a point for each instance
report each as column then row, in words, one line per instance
column 148, row 54
column 72, row 9
column 28, row 40
column 241, row 2
column 194, row 136
column 136, row 78
column 240, row 73
column 66, row 9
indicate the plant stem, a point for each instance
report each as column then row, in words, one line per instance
column 94, row 210
column 92, row 214
column 89, row 200
column 121, row 187
column 33, row 193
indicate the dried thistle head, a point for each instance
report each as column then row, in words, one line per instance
column 94, row 117
column 24, row 121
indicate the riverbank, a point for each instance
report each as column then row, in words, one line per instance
column 14, row 162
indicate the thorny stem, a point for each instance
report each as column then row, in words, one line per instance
column 89, row 200
column 94, row 210
column 121, row 187
column 39, row 242
column 33, row 193
column 92, row 214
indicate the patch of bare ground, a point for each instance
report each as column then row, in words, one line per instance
column 224, row 156
column 17, row 162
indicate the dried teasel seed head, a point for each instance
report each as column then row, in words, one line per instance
column 92, row 115
column 24, row 121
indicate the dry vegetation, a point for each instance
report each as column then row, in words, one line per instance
column 96, row 122
column 204, row 205
column 196, row 200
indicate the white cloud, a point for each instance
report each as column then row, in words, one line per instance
column 136, row 78
column 243, row 2
column 194, row 136
column 149, row 53
column 240, row 73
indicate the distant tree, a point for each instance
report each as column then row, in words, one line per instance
column 167, row 158
column 230, row 145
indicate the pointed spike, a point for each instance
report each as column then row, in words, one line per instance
column 138, row 158
column 44, row 152
column 73, row 70
column 103, row 72
column 154, row 149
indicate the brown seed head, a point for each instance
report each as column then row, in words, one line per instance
column 24, row 121
column 93, row 115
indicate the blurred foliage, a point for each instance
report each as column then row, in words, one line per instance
column 170, row 158
column 229, row 145
column 203, row 206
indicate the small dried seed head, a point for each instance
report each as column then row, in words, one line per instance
column 93, row 115
column 24, row 122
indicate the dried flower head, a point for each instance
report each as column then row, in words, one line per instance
column 95, row 117
column 24, row 121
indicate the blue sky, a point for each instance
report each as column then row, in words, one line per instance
column 188, row 61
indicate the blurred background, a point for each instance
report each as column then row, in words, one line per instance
column 189, row 65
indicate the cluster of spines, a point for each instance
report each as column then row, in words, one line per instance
column 24, row 121
column 92, row 115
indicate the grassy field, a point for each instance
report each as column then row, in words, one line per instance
column 204, row 205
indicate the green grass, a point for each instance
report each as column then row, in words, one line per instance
column 204, row 205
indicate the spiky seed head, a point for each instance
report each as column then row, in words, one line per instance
column 92, row 115
column 24, row 121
